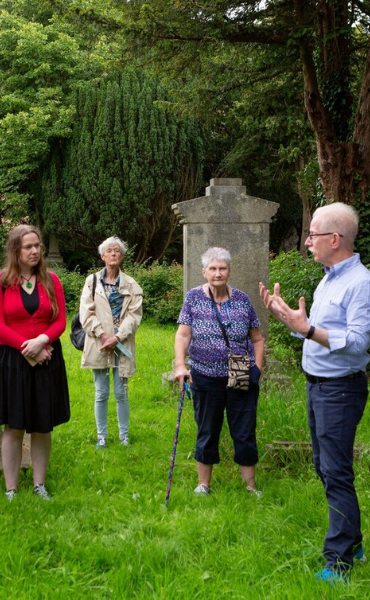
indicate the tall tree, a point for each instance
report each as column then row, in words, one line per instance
column 328, row 39
column 128, row 160
column 40, row 66
column 35, row 70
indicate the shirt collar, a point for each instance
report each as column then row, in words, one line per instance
column 342, row 266
column 102, row 277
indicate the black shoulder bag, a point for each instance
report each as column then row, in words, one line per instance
column 77, row 334
column 238, row 365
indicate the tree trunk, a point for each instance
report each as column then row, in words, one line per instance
column 341, row 161
column 361, row 133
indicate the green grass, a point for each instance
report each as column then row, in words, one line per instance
column 108, row 534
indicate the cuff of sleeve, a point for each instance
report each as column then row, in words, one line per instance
column 336, row 339
column 121, row 335
column 297, row 335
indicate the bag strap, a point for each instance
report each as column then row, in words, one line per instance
column 219, row 319
column 94, row 286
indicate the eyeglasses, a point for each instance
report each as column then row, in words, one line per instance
column 313, row 235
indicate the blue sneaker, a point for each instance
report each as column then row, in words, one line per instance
column 359, row 556
column 332, row 576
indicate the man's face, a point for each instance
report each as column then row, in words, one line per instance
column 321, row 245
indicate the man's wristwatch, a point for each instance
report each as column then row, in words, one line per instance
column 310, row 333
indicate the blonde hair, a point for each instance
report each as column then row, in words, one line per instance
column 11, row 272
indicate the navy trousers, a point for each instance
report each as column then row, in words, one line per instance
column 335, row 409
column 211, row 398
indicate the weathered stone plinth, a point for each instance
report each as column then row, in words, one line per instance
column 54, row 257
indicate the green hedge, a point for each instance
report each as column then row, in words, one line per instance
column 298, row 277
column 73, row 283
column 162, row 289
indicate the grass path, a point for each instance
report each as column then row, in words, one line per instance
column 107, row 533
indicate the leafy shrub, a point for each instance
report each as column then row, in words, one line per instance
column 363, row 239
column 163, row 290
column 298, row 277
column 73, row 283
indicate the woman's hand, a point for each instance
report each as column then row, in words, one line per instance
column 44, row 355
column 108, row 343
column 31, row 348
column 182, row 343
column 180, row 374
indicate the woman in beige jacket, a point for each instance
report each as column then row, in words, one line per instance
column 110, row 315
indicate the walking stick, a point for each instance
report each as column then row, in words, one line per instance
column 185, row 388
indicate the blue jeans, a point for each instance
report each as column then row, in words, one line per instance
column 211, row 398
column 102, row 389
column 334, row 410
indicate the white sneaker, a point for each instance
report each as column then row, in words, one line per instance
column 124, row 441
column 202, row 489
column 101, row 443
column 41, row 491
column 11, row 494
column 253, row 492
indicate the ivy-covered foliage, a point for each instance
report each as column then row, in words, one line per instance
column 363, row 238
column 298, row 277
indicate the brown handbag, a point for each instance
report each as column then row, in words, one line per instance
column 238, row 368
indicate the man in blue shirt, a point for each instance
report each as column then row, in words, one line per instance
column 337, row 337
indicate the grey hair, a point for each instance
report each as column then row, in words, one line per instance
column 215, row 253
column 110, row 241
column 339, row 217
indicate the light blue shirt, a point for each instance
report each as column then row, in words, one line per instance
column 341, row 306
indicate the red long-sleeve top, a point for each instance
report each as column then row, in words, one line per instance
column 16, row 323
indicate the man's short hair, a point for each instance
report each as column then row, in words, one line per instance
column 339, row 218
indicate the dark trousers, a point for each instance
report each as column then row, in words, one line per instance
column 334, row 410
column 211, row 398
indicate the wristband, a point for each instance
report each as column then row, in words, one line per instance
column 310, row 333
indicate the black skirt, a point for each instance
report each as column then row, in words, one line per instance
column 33, row 398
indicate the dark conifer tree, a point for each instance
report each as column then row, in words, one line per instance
column 128, row 160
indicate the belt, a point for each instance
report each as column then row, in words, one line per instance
column 314, row 379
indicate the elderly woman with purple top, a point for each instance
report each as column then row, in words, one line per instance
column 200, row 334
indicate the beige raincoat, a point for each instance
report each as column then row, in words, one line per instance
column 96, row 319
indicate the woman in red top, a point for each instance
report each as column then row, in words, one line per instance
column 33, row 383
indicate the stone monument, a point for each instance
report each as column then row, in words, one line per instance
column 54, row 257
column 228, row 217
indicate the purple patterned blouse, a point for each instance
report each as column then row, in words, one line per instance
column 208, row 351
